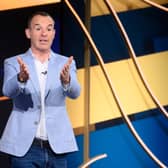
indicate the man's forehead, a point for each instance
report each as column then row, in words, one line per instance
column 39, row 20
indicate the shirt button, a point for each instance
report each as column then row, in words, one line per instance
column 35, row 122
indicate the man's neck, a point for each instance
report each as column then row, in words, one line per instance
column 42, row 56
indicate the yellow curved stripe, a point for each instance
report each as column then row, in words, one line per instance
column 13, row 4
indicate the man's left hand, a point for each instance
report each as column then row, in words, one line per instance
column 65, row 75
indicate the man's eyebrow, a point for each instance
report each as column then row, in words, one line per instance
column 37, row 24
column 51, row 25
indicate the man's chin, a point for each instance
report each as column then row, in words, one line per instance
column 44, row 49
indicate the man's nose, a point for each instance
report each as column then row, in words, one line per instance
column 44, row 32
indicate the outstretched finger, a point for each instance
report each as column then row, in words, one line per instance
column 70, row 60
column 20, row 61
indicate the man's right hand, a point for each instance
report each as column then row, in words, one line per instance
column 23, row 75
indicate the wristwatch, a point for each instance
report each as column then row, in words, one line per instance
column 21, row 80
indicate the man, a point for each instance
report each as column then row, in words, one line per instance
column 38, row 133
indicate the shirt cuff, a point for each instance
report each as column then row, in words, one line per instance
column 65, row 86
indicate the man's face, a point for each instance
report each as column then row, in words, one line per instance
column 41, row 33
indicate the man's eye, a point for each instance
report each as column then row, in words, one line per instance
column 37, row 28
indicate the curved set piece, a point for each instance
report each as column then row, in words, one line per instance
column 3, row 98
column 102, row 65
column 134, row 58
column 156, row 5
column 92, row 160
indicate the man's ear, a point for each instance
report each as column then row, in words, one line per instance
column 27, row 32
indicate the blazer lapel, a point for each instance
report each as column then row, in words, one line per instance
column 53, row 73
column 32, row 72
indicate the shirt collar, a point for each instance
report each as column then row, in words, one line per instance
column 30, row 50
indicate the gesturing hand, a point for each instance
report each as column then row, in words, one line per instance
column 65, row 75
column 23, row 75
